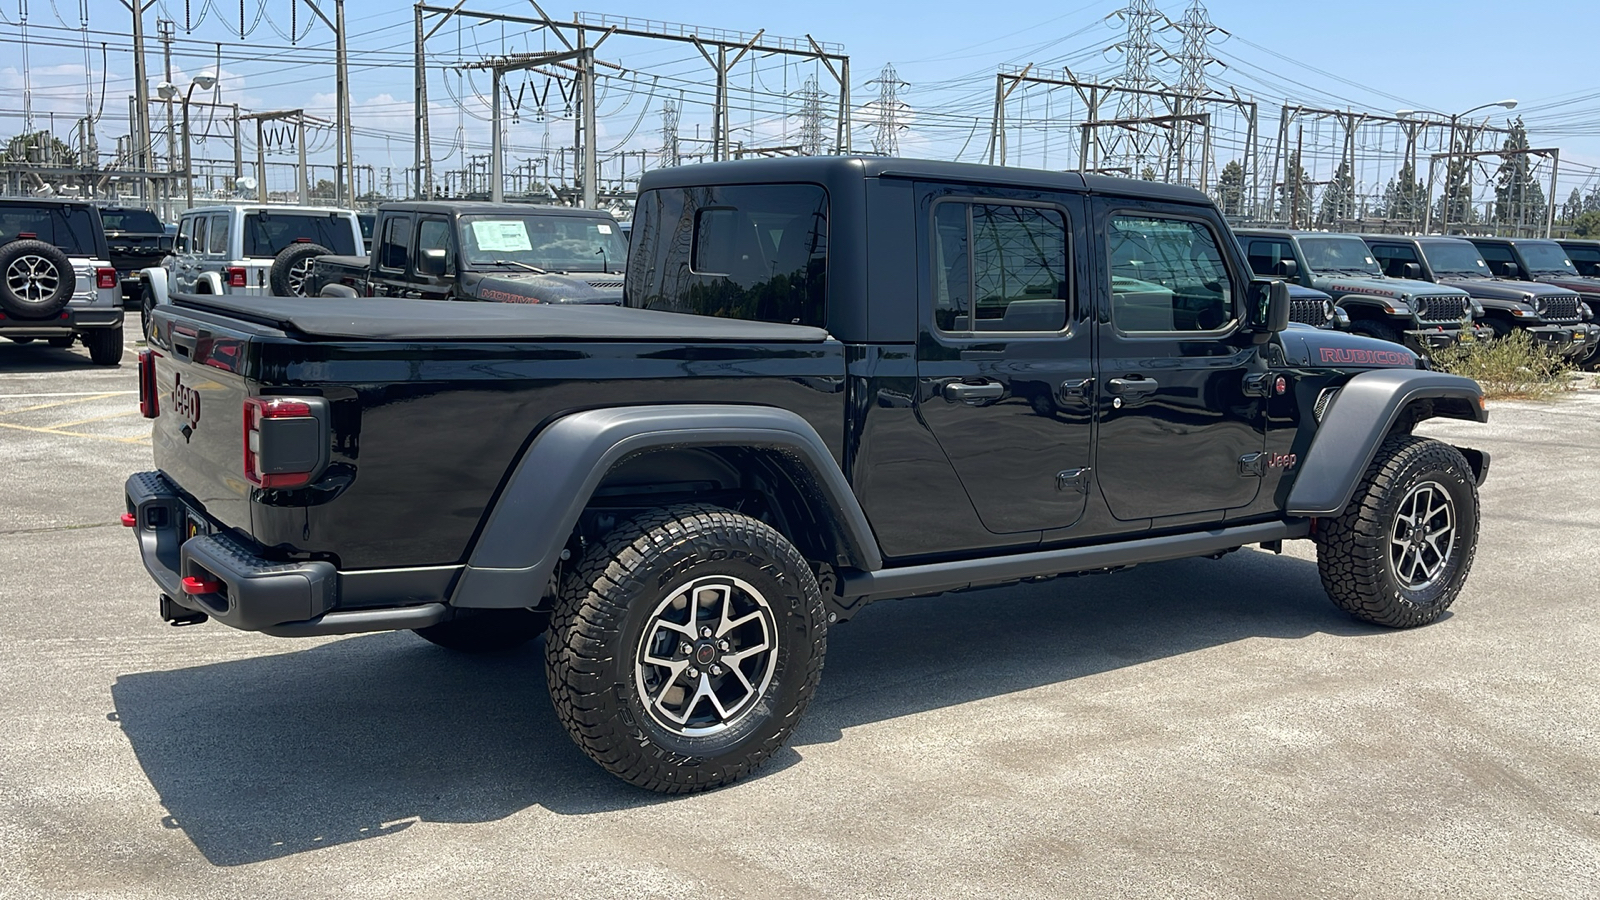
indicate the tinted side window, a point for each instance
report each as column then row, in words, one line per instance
column 185, row 240
column 1266, row 254
column 757, row 252
column 434, row 234
column 1394, row 257
column 218, row 242
column 999, row 267
column 392, row 247
column 1496, row 255
column 1167, row 275
column 201, row 233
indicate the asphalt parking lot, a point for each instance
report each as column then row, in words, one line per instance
column 1202, row 728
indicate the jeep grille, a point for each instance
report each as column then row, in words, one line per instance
column 1442, row 308
column 1560, row 308
column 1308, row 312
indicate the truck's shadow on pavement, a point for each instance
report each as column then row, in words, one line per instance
column 269, row 756
column 38, row 358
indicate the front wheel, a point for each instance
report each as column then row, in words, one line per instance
column 1400, row 552
column 686, row 647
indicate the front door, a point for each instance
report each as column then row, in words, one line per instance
column 1003, row 354
column 1175, row 418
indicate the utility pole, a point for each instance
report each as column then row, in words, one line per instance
column 500, row 65
column 344, row 161
column 164, row 32
column 140, row 126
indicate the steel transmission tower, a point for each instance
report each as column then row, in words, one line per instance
column 669, row 134
column 886, row 131
column 811, row 124
column 1194, row 57
column 1139, row 49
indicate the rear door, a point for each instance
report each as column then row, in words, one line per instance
column 1004, row 359
column 186, row 256
column 1175, row 420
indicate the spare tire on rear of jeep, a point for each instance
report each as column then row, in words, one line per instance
column 291, row 266
column 36, row 279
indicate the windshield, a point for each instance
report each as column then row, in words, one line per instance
column 1454, row 258
column 70, row 228
column 138, row 221
column 267, row 233
column 554, row 243
column 1339, row 253
column 1546, row 258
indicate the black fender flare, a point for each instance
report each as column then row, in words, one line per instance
column 529, row 525
column 1373, row 302
column 1367, row 407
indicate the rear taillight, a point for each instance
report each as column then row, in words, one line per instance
column 284, row 441
column 236, row 276
column 105, row 278
column 149, row 400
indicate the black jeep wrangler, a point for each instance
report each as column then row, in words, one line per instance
column 823, row 391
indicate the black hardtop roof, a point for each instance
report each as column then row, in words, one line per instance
column 1588, row 242
column 1505, row 240
column 836, row 169
column 476, row 207
column 45, row 201
column 1415, row 238
column 1293, row 232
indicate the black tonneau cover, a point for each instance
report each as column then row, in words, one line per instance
column 386, row 319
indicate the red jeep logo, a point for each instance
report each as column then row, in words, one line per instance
column 186, row 402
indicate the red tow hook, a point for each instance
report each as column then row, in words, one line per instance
column 196, row 585
column 129, row 520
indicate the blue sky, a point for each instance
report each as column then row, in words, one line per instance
column 1374, row 56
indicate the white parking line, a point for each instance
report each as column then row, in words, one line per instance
column 66, row 394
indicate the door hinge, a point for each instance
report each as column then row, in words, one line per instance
column 1074, row 480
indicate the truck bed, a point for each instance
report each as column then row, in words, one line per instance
column 388, row 319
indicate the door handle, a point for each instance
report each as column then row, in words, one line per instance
column 1132, row 385
column 957, row 391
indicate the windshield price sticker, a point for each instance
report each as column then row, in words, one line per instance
column 604, row 228
column 501, row 236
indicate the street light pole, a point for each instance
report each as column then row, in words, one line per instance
column 205, row 83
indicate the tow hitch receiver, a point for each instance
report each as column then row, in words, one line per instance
column 178, row 615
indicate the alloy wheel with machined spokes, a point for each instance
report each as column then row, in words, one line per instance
column 706, row 655
column 297, row 277
column 33, row 278
column 1423, row 536
column 684, row 647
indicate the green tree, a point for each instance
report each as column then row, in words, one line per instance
column 1339, row 197
column 1518, row 199
column 1573, row 208
column 40, row 148
column 1295, row 194
column 1406, row 197
column 1587, row 225
column 1230, row 189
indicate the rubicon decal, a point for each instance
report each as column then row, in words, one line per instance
column 1362, row 357
column 504, row 297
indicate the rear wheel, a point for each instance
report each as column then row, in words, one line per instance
column 105, row 345
column 1400, row 552
column 686, row 647
column 487, row 630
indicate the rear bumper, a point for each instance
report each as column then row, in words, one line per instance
column 251, row 593
column 68, row 321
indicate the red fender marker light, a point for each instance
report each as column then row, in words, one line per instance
column 129, row 520
column 195, row 585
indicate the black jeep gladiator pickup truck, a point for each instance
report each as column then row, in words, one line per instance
column 821, row 392
column 499, row 252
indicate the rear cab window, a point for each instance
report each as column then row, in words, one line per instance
column 71, row 229
column 753, row 252
column 266, row 233
column 999, row 267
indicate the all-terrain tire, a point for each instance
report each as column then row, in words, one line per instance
column 36, row 279
column 1362, row 554
column 291, row 267
column 487, row 631
column 105, row 345
column 1374, row 328
column 653, row 725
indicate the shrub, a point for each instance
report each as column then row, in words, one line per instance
column 1510, row 368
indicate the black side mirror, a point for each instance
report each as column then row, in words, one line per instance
column 432, row 263
column 1269, row 308
column 164, row 243
column 1412, row 271
column 1288, row 268
column 1510, row 270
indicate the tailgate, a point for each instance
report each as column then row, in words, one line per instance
column 199, row 432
